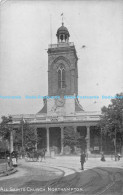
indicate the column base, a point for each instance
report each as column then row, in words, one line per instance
column 48, row 154
column 88, row 151
column 61, row 153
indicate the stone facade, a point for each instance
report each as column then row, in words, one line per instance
column 67, row 56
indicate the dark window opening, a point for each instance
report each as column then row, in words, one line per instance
column 61, row 77
column 61, row 37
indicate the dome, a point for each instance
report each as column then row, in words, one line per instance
column 63, row 30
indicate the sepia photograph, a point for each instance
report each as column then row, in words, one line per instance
column 61, row 97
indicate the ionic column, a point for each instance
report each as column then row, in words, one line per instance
column 36, row 139
column 11, row 141
column 62, row 139
column 75, row 130
column 88, row 139
column 48, row 145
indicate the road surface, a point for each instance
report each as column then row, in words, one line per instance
column 64, row 176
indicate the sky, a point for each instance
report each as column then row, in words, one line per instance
column 26, row 29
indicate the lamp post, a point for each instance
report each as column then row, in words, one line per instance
column 22, row 122
column 115, row 144
column 121, row 150
column 6, row 155
column 11, row 138
column 22, row 132
column 101, row 141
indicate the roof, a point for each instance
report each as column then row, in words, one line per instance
column 44, row 109
column 62, row 30
column 78, row 107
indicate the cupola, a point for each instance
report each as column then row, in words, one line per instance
column 63, row 34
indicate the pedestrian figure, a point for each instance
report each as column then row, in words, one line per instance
column 118, row 156
column 102, row 157
column 14, row 158
column 82, row 160
column 8, row 160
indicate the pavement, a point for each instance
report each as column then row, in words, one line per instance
column 5, row 170
column 65, row 165
column 96, row 173
column 71, row 164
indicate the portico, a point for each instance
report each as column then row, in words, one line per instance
column 51, row 130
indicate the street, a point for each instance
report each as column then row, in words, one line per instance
column 63, row 175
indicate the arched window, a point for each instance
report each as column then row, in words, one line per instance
column 61, row 37
column 61, row 77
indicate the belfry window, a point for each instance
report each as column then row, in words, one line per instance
column 61, row 37
column 61, row 77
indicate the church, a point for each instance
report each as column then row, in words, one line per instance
column 61, row 107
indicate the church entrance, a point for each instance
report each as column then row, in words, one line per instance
column 82, row 130
column 55, row 139
column 95, row 139
column 41, row 135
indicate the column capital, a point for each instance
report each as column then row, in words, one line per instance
column 88, row 126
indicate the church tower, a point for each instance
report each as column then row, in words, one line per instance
column 62, row 77
column 62, row 66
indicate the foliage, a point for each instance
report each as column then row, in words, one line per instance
column 72, row 139
column 112, row 117
column 5, row 127
column 82, row 143
column 3, row 145
column 29, row 135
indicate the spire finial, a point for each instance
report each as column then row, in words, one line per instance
column 62, row 19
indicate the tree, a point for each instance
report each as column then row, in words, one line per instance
column 111, row 121
column 28, row 139
column 5, row 127
column 71, row 138
column 29, row 136
column 82, row 143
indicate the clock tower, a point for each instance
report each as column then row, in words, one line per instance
column 62, row 65
column 62, row 75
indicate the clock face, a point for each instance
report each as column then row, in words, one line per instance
column 60, row 102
